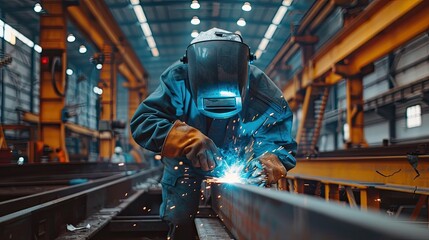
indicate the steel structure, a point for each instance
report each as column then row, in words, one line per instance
column 256, row 213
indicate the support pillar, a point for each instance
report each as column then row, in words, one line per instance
column 108, row 82
column 355, row 113
column 53, row 30
column 135, row 96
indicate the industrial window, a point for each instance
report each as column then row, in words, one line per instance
column 414, row 116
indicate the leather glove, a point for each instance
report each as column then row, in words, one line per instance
column 266, row 170
column 184, row 140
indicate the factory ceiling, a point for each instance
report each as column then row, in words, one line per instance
column 160, row 31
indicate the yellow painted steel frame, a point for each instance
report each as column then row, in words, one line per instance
column 378, row 30
column 102, row 32
column 355, row 113
column 53, row 29
column 396, row 170
column 108, row 82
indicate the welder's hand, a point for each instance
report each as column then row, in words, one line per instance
column 265, row 170
column 184, row 140
column 273, row 168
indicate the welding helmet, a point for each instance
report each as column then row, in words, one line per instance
column 218, row 63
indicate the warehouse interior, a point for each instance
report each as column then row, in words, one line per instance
column 355, row 74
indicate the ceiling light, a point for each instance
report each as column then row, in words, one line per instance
column 71, row 38
column 195, row 4
column 241, row 22
column 155, row 52
column 138, row 10
column 246, row 7
column 97, row 90
column 135, row 2
column 82, row 49
column 151, row 42
column 69, row 71
column 270, row 31
column 38, row 48
column 263, row 44
column 287, row 2
column 37, row 7
column 279, row 15
column 194, row 34
column 99, row 66
column 195, row 20
column 258, row 53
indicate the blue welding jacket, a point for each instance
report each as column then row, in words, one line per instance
column 265, row 121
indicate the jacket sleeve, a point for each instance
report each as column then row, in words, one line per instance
column 155, row 116
column 274, row 134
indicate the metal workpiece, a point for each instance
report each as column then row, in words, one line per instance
column 257, row 213
column 79, row 206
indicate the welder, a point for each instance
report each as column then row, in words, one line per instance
column 209, row 103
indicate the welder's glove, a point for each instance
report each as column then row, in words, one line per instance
column 266, row 170
column 273, row 168
column 184, row 140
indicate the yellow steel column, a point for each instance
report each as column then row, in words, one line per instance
column 53, row 29
column 108, row 83
column 134, row 99
column 355, row 113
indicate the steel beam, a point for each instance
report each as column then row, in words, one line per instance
column 48, row 219
column 106, row 20
column 94, row 32
column 379, row 29
column 257, row 213
column 368, row 169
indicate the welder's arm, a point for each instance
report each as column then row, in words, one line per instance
column 275, row 148
column 184, row 140
column 155, row 116
column 155, row 125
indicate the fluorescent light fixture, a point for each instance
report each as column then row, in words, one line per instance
column 37, row 7
column 99, row 66
column 270, row 31
column 71, row 38
column 155, row 52
column 281, row 12
column 195, row 20
column 258, row 53
column 194, row 34
column 279, row 15
column 287, row 3
column 146, row 29
column 69, row 72
column 241, row 22
column 246, row 7
column 151, row 42
column 138, row 10
column 82, row 49
column 195, row 4
column 8, row 34
column 1, row 28
column 37, row 48
column 263, row 44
